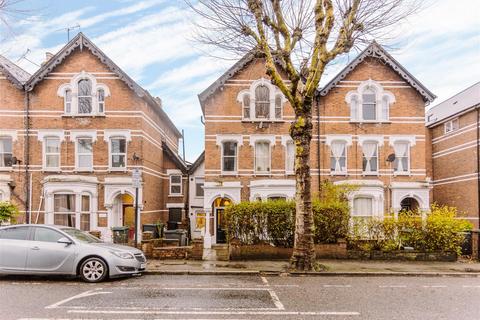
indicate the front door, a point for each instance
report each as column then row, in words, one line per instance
column 221, row 225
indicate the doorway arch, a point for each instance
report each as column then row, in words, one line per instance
column 409, row 204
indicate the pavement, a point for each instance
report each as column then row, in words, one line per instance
column 256, row 297
column 465, row 267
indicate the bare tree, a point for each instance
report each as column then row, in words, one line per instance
column 10, row 11
column 299, row 38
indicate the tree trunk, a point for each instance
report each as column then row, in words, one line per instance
column 303, row 256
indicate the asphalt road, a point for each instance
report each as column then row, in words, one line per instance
column 241, row 297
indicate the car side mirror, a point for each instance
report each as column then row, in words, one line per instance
column 65, row 240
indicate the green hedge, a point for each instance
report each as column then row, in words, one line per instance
column 274, row 222
column 8, row 212
column 441, row 230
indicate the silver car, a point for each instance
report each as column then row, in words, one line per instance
column 47, row 249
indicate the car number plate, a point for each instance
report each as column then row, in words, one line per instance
column 142, row 266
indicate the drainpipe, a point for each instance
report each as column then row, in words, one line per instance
column 26, row 157
column 318, row 144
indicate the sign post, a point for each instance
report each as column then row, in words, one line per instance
column 136, row 183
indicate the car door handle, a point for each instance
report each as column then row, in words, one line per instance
column 35, row 248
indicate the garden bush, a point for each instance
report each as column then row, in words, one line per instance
column 440, row 231
column 8, row 212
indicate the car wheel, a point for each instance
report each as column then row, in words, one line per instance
column 93, row 270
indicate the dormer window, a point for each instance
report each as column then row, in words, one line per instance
column 369, row 103
column 83, row 96
column 261, row 102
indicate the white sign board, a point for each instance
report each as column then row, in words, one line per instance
column 136, row 178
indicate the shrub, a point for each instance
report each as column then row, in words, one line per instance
column 8, row 211
column 331, row 221
column 440, row 231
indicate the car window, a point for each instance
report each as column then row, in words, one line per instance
column 14, row 233
column 47, row 235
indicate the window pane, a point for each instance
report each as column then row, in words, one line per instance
column 64, row 202
column 363, row 207
column 52, row 161
column 176, row 179
column 262, row 102
column 85, row 145
column 369, row 112
column 47, row 235
column 6, row 145
column 118, row 145
column 52, row 145
column 84, row 87
column 118, row 161
column 262, row 157
column 246, row 106
column 199, row 189
column 84, row 105
column 175, row 189
column 63, row 219
column 229, row 148
column 84, row 161
column 369, row 98
column 85, row 222
column 290, row 156
column 15, row 233
column 85, row 203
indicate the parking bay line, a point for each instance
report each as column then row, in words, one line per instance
column 266, row 313
column 78, row 296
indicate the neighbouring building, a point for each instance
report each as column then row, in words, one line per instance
column 70, row 136
column 369, row 130
column 196, row 212
column 455, row 131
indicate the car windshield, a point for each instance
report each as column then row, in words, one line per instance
column 81, row 236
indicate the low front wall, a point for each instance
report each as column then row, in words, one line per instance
column 402, row 255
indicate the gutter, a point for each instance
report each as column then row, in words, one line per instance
column 26, row 157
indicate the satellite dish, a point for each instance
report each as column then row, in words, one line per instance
column 391, row 157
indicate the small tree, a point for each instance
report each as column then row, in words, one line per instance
column 8, row 211
column 298, row 38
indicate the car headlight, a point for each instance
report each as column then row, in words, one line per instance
column 123, row 255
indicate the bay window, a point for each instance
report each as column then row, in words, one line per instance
column 362, row 207
column 85, row 213
column 64, row 210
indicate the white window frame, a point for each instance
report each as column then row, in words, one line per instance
column 405, row 172
column 73, row 87
column 77, row 154
column 45, row 154
column 12, row 138
column 171, row 184
column 222, row 156
column 287, row 160
column 199, row 180
column 384, row 100
column 345, row 148
column 273, row 93
column 451, row 126
column 111, row 154
column 362, row 196
column 372, row 173
column 269, row 156
column 220, row 139
column 411, row 141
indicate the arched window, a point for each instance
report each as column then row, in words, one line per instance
column 68, row 101
column 369, row 105
column 85, row 96
column 246, row 106
column 262, row 102
column 101, row 100
column 278, row 106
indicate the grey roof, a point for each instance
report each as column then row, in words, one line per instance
column 197, row 163
column 462, row 101
column 14, row 73
column 239, row 65
column 375, row 50
column 81, row 41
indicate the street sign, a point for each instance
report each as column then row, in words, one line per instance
column 136, row 178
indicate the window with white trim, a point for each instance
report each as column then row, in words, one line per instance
column 101, row 100
column 262, row 157
column 85, row 99
column 262, row 102
column 68, row 101
column 362, row 206
column 369, row 103
column 290, row 157
column 401, row 163
column 370, row 157
column 6, row 153
column 278, row 106
column 64, row 209
column 451, row 125
column 85, row 213
column 175, row 184
column 84, row 154
column 338, row 157
column 118, row 153
column 229, row 156
column 246, row 106
column 199, row 192
column 51, row 153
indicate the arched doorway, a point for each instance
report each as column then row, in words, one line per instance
column 218, row 209
column 124, row 213
column 409, row 204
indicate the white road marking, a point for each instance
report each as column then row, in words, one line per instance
column 267, row 313
column 470, row 286
column 80, row 295
column 276, row 300
column 393, row 286
column 434, row 286
column 337, row 286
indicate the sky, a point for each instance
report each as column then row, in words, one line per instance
column 152, row 40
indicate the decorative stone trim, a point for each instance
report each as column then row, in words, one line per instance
column 338, row 137
column 286, row 139
column 262, row 137
column 74, row 134
column 366, row 138
column 238, row 138
column 400, row 138
column 43, row 133
column 108, row 133
column 9, row 133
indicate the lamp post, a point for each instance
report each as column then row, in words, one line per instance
column 136, row 182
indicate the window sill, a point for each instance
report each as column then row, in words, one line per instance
column 263, row 120
column 333, row 173
column 83, row 170
column 81, row 115
column 117, row 169
column 6, row 169
column 372, row 174
column 51, row 170
column 405, row 174
column 262, row 174
column 175, row 195
column 233, row 174
column 369, row 122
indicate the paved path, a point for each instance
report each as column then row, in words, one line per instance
column 242, row 297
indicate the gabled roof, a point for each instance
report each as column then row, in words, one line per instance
column 239, row 65
column 197, row 163
column 459, row 103
column 14, row 73
column 80, row 41
column 174, row 157
column 374, row 50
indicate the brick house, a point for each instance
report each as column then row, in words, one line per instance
column 72, row 133
column 454, row 130
column 371, row 112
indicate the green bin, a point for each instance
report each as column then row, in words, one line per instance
column 120, row 234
